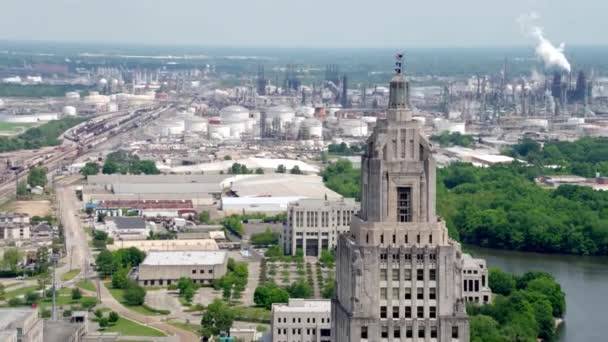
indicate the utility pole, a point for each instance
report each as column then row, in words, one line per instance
column 54, row 286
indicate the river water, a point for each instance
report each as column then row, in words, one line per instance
column 583, row 279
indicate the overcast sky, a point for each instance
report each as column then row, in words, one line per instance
column 302, row 23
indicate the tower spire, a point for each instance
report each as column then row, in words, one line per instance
column 398, row 106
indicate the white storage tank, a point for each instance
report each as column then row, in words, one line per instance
column 112, row 107
column 236, row 129
column 218, row 132
column 541, row 123
column 233, row 114
column 442, row 125
column 576, row 121
column 314, row 127
column 195, row 124
column 69, row 111
column 305, row 111
column 353, row 127
column 281, row 112
column 72, row 95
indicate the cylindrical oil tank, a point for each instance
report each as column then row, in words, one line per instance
column 69, row 111
column 195, row 124
column 314, row 127
column 232, row 114
column 217, row 131
column 353, row 127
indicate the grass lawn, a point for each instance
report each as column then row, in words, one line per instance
column 131, row 328
column 69, row 275
column 195, row 328
column 14, row 127
column 86, row 284
column 118, row 294
column 251, row 314
column 20, row 292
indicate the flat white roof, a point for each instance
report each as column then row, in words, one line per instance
column 304, row 305
column 180, row 258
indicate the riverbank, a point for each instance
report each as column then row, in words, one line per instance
column 583, row 279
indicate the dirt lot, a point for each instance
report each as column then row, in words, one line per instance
column 33, row 208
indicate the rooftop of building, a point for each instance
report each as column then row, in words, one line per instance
column 303, row 305
column 125, row 222
column 167, row 188
column 316, row 202
column 180, row 258
column 154, row 179
column 60, row 331
column 146, row 204
column 8, row 316
column 281, row 185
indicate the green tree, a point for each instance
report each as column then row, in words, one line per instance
column 269, row 293
column 218, row 317
column 11, row 258
column 89, row 169
column 120, row 278
column 2, row 292
column 76, row 294
column 501, row 282
column 22, row 189
column 37, row 177
column 103, row 322
column 42, row 260
column 265, row 238
column 327, row 258
column 134, row 294
column 204, row 217
column 281, row 169
column 113, row 317
column 31, row 298
column 300, row 289
column 105, row 263
column 485, row 329
column 109, row 168
column 259, row 171
column 98, row 313
column 295, row 170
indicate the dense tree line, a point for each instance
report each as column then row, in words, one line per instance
column 37, row 90
column 500, row 207
column 524, row 309
column 447, row 139
column 345, row 150
column 583, row 157
column 126, row 163
column 41, row 136
column 342, row 178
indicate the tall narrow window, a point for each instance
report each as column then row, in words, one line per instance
column 404, row 204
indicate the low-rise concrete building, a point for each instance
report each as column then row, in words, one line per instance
column 146, row 208
column 167, row 245
column 14, row 231
column 315, row 224
column 165, row 268
column 476, row 287
column 301, row 320
column 20, row 325
column 127, row 228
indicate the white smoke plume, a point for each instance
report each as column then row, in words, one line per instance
column 552, row 56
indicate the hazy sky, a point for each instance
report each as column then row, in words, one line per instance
column 302, row 23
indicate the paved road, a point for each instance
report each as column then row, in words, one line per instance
column 79, row 253
column 77, row 249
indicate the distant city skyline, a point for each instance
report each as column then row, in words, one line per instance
column 313, row 23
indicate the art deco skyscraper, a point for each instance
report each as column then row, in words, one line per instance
column 398, row 274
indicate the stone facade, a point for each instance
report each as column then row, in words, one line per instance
column 315, row 224
column 475, row 281
column 398, row 274
column 301, row 320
